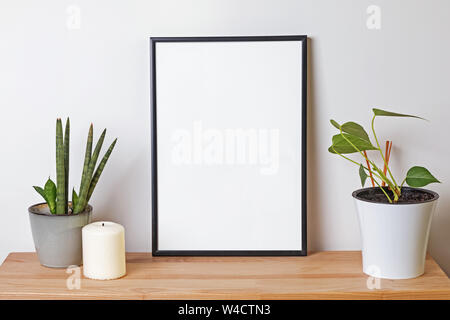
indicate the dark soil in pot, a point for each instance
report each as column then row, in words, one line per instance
column 409, row 195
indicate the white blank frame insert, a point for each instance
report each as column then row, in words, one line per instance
column 228, row 145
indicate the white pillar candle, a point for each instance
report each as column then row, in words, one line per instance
column 103, row 250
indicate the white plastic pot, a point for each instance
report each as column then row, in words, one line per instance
column 394, row 236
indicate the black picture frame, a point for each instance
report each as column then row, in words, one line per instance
column 154, row 149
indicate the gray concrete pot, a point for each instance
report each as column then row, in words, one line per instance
column 57, row 238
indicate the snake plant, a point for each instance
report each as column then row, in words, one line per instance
column 352, row 138
column 57, row 195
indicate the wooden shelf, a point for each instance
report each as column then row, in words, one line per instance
column 322, row 275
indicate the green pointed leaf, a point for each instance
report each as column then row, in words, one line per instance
column 60, row 171
column 340, row 145
column 384, row 113
column 419, row 177
column 85, row 178
column 41, row 192
column 363, row 175
column 335, row 124
column 355, row 129
column 50, row 193
column 66, row 164
column 74, row 199
column 352, row 128
column 99, row 170
column 83, row 195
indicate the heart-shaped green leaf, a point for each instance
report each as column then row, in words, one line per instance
column 384, row 113
column 340, row 145
column 419, row 177
column 363, row 175
column 50, row 193
column 352, row 128
column 355, row 129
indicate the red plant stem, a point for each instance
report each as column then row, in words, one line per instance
column 390, row 147
column 368, row 166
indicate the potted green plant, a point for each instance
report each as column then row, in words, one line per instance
column 56, row 224
column 394, row 220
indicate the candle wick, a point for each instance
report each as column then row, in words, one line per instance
column 103, row 224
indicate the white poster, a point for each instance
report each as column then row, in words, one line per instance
column 228, row 145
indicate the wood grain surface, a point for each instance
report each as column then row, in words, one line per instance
column 321, row 275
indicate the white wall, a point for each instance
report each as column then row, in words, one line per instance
column 100, row 73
